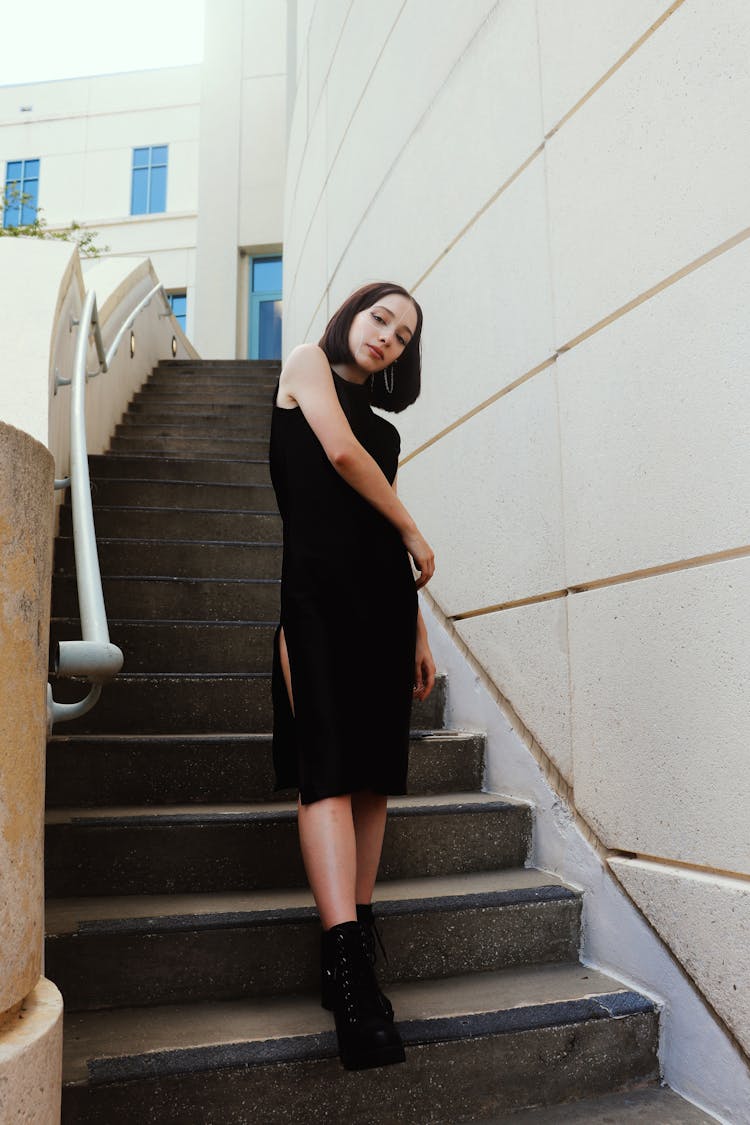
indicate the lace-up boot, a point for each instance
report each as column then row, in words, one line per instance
column 366, row 1037
column 365, row 916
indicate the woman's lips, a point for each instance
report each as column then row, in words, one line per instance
column 375, row 351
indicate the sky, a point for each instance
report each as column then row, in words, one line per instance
column 66, row 39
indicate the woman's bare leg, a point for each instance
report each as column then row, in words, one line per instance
column 369, row 813
column 329, row 852
column 285, row 667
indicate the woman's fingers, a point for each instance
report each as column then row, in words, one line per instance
column 426, row 568
column 424, row 678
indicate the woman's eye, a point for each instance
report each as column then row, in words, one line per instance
column 375, row 315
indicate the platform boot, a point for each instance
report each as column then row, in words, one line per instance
column 365, row 916
column 366, row 1037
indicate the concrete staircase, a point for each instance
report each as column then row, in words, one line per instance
column 179, row 928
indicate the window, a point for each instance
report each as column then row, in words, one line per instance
column 21, row 178
column 149, row 190
column 264, row 336
column 178, row 301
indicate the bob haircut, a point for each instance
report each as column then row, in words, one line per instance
column 407, row 369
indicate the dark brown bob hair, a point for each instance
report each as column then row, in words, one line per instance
column 407, row 369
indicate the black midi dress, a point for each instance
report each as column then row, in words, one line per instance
column 348, row 611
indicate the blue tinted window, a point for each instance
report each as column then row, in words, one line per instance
column 178, row 301
column 158, row 195
column 21, row 178
column 267, row 275
column 269, row 330
column 139, row 197
column 149, row 184
column 28, row 209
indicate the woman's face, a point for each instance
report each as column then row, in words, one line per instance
column 379, row 333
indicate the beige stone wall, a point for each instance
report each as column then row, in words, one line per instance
column 30, row 1006
column 563, row 188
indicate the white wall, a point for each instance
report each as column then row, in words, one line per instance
column 84, row 131
column 243, row 106
column 564, row 189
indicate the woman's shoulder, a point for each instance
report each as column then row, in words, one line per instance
column 307, row 353
column 301, row 361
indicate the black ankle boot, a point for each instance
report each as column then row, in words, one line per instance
column 365, row 916
column 366, row 1037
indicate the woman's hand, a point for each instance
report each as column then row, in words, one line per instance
column 424, row 668
column 421, row 552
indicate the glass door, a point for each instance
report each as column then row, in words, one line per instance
column 264, row 320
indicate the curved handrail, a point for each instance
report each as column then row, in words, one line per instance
column 94, row 657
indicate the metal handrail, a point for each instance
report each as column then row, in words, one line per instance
column 94, row 657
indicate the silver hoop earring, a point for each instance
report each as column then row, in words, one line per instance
column 385, row 379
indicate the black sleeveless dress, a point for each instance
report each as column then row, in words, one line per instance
column 348, row 610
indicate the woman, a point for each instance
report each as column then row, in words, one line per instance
column 351, row 650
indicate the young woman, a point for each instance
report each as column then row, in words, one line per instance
column 351, row 650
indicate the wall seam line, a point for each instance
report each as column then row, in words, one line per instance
column 647, row 294
column 726, row 555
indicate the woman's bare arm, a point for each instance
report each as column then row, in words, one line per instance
column 306, row 378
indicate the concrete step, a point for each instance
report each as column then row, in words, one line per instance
column 476, row 1044
column 188, row 599
column 251, row 448
column 184, row 646
column 178, row 558
column 200, row 703
column 170, row 949
column 191, row 523
column 151, row 397
column 250, row 430
column 132, row 850
column 145, row 493
column 192, row 413
column 248, row 368
column 654, row 1105
column 95, row 770
column 158, row 467
column 212, row 377
column 209, row 389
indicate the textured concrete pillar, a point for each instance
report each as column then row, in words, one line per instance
column 30, row 1006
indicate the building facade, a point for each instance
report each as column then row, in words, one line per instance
column 184, row 165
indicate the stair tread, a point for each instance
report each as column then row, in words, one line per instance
column 137, row 541
column 229, row 738
column 454, row 802
column 71, row 915
column 174, row 580
column 650, row 1105
column 519, row 997
column 184, row 511
column 106, row 481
